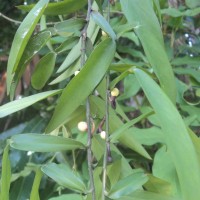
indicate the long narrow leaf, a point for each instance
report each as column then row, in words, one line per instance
column 5, row 175
column 20, row 104
column 36, row 184
column 22, row 37
column 150, row 35
column 182, row 152
column 64, row 176
column 44, row 143
column 84, row 83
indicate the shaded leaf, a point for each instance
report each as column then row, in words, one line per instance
column 118, row 133
column 98, row 106
column 69, row 27
column 59, row 8
column 36, row 184
column 67, row 44
column 33, row 47
column 192, row 3
column 21, row 38
column 43, row 71
column 64, row 176
column 44, row 143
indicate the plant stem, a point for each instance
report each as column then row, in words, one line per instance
column 107, row 153
column 89, row 141
column 19, row 22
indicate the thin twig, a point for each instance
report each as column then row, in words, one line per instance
column 9, row 19
column 89, row 142
column 107, row 153
column 19, row 22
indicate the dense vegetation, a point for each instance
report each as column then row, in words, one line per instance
column 102, row 100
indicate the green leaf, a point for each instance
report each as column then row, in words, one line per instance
column 67, row 44
column 5, row 175
column 150, row 35
column 44, row 143
column 192, row 3
column 187, row 60
column 84, row 83
column 20, row 104
column 36, row 185
column 59, row 8
column 64, row 176
column 33, row 47
column 128, row 185
column 103, row 24
column 68, row 197
column 98, row 106
column 158, row 185
column 43, row 71
column 69, row 27
column 67, row 73
column 73, row 55
column 171, row 122
column 148, row 136
column 145, row 195
column 21, row 38
column 163, row 168
column 118, row 133
column 177, row 13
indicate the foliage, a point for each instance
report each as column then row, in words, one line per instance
column 139, row 141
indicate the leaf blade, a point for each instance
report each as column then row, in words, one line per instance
column 84, row 83
column 44, row 143
column 171, row 122
column 150, row 35
column 21, row 38
column 20, row 104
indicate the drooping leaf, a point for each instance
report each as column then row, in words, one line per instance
column 128, row 185
column 32, row 48
column 20, row 104
column 69, row 27
column 5, row 175
column 171, row 122
column 44, row 143
column 36, row 184
column 84, row 83
column 103, row 24
column 64, row 176
column 43, row 71
column 21, row 38
column 60, row 7
column 150, row 35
